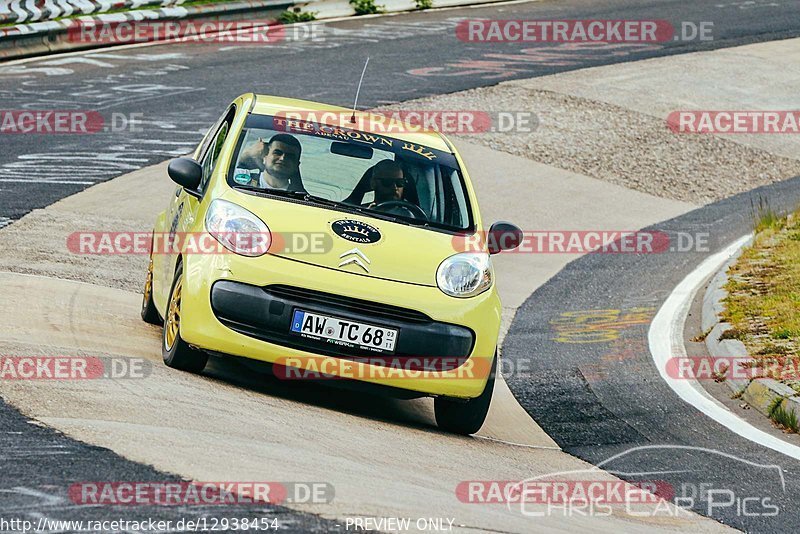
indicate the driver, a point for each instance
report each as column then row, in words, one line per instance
column 278, row 161
column 388, row 182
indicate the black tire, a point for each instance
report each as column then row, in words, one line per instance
column 179, row 355
column 465, row 418
column 149, row 311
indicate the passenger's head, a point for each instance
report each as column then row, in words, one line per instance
column 282, row 156
column 388, row 181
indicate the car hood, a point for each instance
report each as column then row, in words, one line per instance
column 341, row 240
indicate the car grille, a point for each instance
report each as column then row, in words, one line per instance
column 265, row 313
column 374, row 309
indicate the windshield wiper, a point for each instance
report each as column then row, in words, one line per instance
column 277, row 192
column 300, row 195
column 394, row 218
column 308, row 197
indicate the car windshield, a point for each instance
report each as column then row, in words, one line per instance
column 352, row 170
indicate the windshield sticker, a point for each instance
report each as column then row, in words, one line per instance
column 356, row 231
column 242, row 176
column 419, row 150
column 323, row 130
column 343, row 133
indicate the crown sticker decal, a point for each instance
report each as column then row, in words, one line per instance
column 356, row 231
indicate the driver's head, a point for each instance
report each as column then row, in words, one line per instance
column 388, row 181
column 282, row 156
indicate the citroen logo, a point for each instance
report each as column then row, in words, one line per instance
column 354, row 256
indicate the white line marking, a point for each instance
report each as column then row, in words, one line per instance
column 666, row 341
column 524, row 445
column 68, row 182
column 191, row 143
column 85, row 60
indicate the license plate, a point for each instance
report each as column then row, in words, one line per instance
column 343, row 332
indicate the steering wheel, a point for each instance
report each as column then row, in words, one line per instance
column 413, row 210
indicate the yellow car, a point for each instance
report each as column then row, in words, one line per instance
column 331, row 245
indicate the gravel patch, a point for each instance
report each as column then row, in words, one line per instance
column 616, row 145
column 37, row 243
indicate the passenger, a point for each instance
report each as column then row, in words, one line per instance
column 278, row 161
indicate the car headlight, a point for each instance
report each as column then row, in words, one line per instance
column 237, row 229
column 465, row 275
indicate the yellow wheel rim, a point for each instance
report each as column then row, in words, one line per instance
column 173, row 324
column 148, row 284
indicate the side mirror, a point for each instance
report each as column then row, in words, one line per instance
column 185, row 172
column 503, row 236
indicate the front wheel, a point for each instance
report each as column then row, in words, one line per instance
column 175, row 351
column 465, row 417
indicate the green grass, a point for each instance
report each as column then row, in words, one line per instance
column 366, row 7
column 764, row 217
column 295, row 15
column 763, row 302
column 734, row 333
column 785, row 419
column 770, row 349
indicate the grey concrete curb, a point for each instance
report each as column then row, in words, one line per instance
column 763, row 394
column 46, row 37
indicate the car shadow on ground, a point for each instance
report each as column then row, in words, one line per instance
column 343, row 395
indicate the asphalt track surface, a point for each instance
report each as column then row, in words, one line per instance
column 179, row 90
column 39, row 462
column 593, row 386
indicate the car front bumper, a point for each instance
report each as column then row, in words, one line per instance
column 243, row 307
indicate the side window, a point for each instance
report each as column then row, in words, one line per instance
column 204, row 144
column 210, row 161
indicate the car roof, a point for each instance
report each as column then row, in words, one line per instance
column 271, row 105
